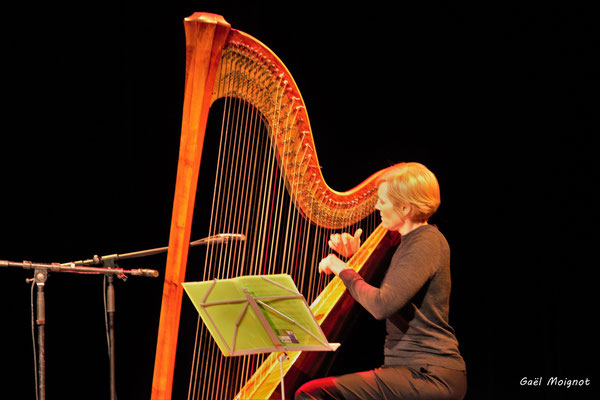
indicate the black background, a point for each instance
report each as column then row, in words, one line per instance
column 498, row 100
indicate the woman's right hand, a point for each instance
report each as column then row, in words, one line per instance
column 345, row 244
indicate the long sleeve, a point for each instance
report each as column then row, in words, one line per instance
column 414, row 299
column 415, row 261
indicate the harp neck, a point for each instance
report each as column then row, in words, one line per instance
column 253, row 73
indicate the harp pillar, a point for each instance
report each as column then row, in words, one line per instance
column 205, row 37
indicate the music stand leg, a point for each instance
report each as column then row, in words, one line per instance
column 282, row 358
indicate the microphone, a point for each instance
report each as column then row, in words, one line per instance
column 150, row 273
column 220, row 238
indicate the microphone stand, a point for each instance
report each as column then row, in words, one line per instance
column 109, row 270
column 40, row 276
column 108, row 261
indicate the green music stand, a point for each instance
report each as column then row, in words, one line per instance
column 257, row 314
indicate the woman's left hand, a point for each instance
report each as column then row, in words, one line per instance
column 344, row 243
column 332, row 265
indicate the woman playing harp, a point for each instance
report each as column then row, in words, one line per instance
column 422, row 360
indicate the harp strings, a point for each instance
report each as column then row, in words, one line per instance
column 251, row 196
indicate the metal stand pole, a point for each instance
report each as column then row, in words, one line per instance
column 40, row 277
column 110, row 310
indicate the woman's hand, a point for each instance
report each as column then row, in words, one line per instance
column 345, row 244
column 332, row 265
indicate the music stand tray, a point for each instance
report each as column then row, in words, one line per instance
column 257, row 314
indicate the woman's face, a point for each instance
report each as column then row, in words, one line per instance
column 391, row 219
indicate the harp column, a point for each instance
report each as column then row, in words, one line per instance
column 205, row 37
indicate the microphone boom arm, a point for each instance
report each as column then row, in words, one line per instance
column 219, row 238
column 73, row 267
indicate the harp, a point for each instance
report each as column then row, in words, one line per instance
column 267, row 184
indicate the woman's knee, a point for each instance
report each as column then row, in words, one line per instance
column 318, row 389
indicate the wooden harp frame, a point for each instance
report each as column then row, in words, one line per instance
column 206, row 37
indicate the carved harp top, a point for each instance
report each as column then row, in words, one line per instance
column 222, row 62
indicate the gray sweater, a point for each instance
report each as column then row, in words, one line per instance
column 414, row 299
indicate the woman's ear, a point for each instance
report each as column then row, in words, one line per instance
column 405, row 209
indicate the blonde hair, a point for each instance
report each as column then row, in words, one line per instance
column 412, row 183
